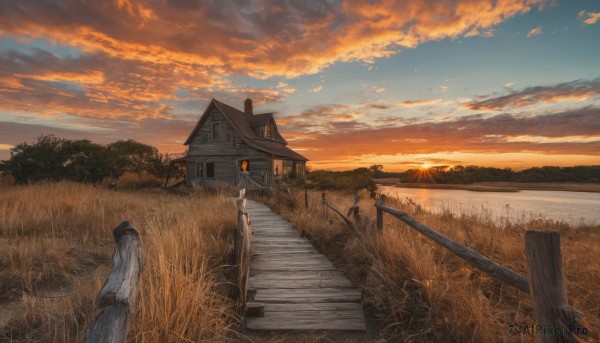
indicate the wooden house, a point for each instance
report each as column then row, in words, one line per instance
column 227, row 142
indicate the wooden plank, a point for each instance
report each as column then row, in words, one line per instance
column 257, row 235
column 281, row 250
column 284, row 265
column 314, row 307
column 272, row 229
column 280, row 239
column 318, row 259
column 297, row 275
column 257, row 228
column 306, row 283
column 305, row 324
column 307, row 295
column 296, row 257
column 285, row 268
column 294, row 314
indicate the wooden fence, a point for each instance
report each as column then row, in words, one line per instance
column 118, row 297
column 242, row 249
column 546, row 281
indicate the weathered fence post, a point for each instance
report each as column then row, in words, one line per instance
column 305, row 197
column 118, row 297
column 547, row 286
column 355, row 209
column 237, row 243
column 380, row 201
column 323, row 201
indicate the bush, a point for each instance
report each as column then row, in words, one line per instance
column 361, row 178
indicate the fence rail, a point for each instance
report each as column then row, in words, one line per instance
column 546, row 282
column 469, row 255
column 118, row 297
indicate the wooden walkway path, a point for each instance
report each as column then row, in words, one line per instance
column 299, row 287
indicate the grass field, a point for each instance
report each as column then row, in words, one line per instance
column 55, row 249
column 56, row 245
column 414, row 290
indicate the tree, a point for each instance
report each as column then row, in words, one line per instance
column 88, row 162
column 133, row 156
column 53, row 158
column 376, row 170
column 38, row 161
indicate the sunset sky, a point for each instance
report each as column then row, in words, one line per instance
column 500, row 83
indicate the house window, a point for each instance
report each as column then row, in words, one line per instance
column 200, row 170
column 244, row 165
column 216, row 131
column 261, row 131
column 210, row 169
column 268, row 131
column 277, row 167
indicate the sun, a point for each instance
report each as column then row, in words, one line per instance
column 426, row 166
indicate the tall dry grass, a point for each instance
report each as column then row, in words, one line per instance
column 55, row 248
column 415, row 290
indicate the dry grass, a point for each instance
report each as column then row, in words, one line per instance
column 55, row 248
column 414, row 290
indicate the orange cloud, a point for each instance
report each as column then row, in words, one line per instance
column 87, row 78
column 415, row 103
column 272, row 39
column 571, row 132
column 589, row 18
column 579, row 90
column 535, row 32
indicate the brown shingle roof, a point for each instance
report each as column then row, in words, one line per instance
column 245, row 125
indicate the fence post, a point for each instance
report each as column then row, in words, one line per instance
column 118, row 297
column 237, row 243
column 356, row 208
column 323, row 200
column 548, row 288
column 380, row 201
column 305, row 197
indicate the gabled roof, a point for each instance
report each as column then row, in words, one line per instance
column 247, row 126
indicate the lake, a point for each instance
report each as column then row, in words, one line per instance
column 570, row 207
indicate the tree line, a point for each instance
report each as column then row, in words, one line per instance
column 471, row 174
column 53, row 158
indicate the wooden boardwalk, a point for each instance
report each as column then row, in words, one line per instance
column 299, row 288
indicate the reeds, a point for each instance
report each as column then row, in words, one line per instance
column 417, row 291
column 55, row 247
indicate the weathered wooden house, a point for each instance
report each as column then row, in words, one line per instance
column 227, row 142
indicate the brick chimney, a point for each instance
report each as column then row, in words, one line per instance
column 248, row 106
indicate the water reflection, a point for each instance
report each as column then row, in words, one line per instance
column 570, row 207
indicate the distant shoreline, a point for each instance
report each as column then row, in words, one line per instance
column 497, row 186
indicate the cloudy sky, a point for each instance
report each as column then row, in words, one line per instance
column 352, row 83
